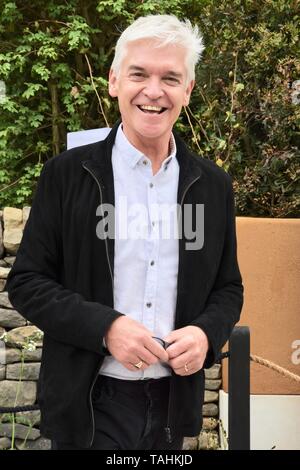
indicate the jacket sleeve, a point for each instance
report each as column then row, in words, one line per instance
column 33, row 283
column 224, row 304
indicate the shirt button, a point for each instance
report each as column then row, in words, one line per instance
column 151, row 185
column 149, row 304
column 153, row 223
column 152, row 263
column 145, row 162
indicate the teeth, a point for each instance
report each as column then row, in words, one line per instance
column 151, row 108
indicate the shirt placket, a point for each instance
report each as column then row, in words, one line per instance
column 152, row 250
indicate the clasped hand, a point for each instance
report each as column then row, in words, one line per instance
column 134, row 346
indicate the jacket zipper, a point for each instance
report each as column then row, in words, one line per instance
column 111, row 275
column 168, row 427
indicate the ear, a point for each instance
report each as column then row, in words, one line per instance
column 187, row 93
column 112, row 84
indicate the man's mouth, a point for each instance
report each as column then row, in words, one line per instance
column 151, row 109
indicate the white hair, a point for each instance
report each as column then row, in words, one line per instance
column 165, row 30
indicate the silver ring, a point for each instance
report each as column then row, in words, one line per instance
column 139, row 365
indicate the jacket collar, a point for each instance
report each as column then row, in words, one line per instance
column 101, row 167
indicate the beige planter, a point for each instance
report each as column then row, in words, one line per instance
column 269, row 258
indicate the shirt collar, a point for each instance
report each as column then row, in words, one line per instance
column 172, row 154
column 132, row 155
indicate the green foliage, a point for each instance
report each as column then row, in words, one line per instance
column 53, row 55
column 242, row 110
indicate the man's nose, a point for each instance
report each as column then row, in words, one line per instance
column 153, row 89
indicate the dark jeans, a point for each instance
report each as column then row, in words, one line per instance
column 129, row 415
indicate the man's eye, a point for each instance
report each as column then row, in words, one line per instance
column 137, row 74
column 172, row 79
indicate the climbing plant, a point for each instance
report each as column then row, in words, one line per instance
column 244, row 113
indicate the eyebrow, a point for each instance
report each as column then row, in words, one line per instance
column 141, row 69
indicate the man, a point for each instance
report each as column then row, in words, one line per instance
column 130, row 322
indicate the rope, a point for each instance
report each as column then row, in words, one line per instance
column 18, row 409
column 269, row 364
column 273, row 366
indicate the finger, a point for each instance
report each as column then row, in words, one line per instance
column 180, row 361
column 145, row 355
column 173, row 336
column 176, row 349
column 156, row 349
column 183, row 371
column 143, row 364
column 148, row 350
column 138, row 354
column 148, row 357
column 130, row 366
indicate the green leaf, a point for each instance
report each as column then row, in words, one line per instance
column 32, row 89
column 42, row 71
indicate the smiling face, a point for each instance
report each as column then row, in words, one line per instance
column 151, row 89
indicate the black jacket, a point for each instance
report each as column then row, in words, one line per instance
column 62, row 282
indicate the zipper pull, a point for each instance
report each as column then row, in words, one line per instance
column 168, row 433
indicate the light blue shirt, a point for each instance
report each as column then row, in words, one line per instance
column 146, row 261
